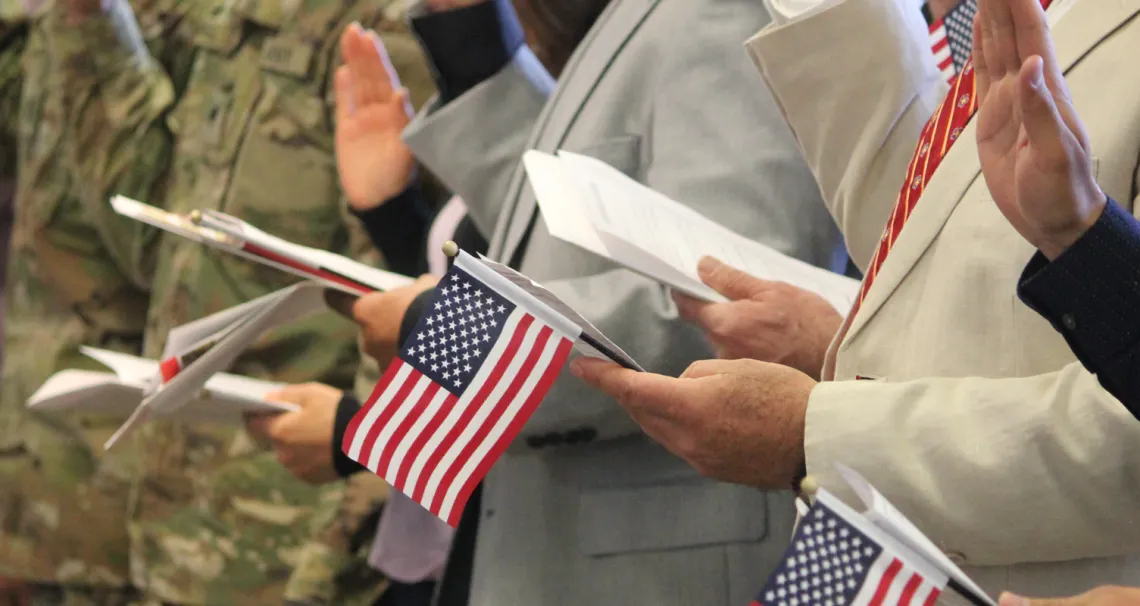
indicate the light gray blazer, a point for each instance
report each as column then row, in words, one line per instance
column 664, row 91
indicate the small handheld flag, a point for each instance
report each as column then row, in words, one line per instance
column 951, row 38
column 475, row 368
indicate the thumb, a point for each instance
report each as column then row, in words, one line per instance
column 728, row 280
column 261, row 426
column 1043, row 123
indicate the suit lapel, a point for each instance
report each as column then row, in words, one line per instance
column 1077, row 34
column 596, row 53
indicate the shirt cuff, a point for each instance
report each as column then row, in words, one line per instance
column 1090, row 294
column 345, row 411
column 398, row 228
column 468, row 45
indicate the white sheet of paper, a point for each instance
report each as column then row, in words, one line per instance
column 255, row 317
column 618, row 218
column 180, row 225
column 224, row 399
column 884, row 515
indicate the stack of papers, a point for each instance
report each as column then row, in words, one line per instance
column 232, row 235
column 592, row 205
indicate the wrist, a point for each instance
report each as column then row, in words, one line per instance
column 1054, row 243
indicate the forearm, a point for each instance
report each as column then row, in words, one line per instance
column 857, row 127
column 398, row 229
column 982, row 465
column 1090, row 294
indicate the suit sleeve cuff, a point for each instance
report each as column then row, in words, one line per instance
column 345, row 410
column 468, row 45
column 1090, row 294
column 397, row 229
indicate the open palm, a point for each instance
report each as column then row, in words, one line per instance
column 1034, row 151
column 372, row 111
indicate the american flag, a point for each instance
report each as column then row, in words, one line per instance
column 951, row 38
column 837, row 558
column 482, row 357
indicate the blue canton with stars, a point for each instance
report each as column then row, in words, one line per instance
column 826, row 564
column 459, row 327
column 959, row 24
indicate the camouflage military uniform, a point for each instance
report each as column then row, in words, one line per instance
column 63, row 505
column 13, row 37
column 217, row 520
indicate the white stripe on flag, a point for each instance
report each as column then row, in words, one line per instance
column 414, row 433
column 894, row 594
column 405, row 407
column 942, row 55
column 484, row 410
column 535, row 375
column 377, row 409
column 873, row 579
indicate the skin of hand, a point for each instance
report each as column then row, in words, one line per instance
column 739, row 421
column 939, row 8
column 381, row 314
column 766, row 321
column 372, row 110
column 1035, row 153
column 302, row 440
column 1101, row 596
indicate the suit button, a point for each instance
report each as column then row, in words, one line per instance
column 957, row 557
column 1069, row 321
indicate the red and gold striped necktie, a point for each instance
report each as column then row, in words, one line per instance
column 939, row 135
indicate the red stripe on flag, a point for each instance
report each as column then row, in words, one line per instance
column 305, row 269
column 946, row 63
column 469, row 412
column 169, row 368
column 885, row 583
column 909, row 590
column 390, row 408
column 497, row 411
column 357, row 419
column 417, row 410
column 940, row 44
column 419, row 443
column 512, row 431
column 933, row 597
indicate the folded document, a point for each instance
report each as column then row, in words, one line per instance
column 589, row 204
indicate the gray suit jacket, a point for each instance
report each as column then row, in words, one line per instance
column 663, row 90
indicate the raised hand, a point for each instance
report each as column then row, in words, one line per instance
column 1034, row 151
column 371, row 112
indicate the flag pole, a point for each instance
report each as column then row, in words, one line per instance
column 451, row 249
column 970, row 596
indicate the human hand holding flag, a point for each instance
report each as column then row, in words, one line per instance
column 478, row 363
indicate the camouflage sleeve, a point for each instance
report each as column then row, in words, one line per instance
column 118, row 143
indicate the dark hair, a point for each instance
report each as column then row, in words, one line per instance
column 555, row 27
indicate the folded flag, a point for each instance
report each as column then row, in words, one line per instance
column 838, row 558
column 475, row 368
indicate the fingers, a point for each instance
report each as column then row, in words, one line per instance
column 1043, row 124
column 690, row 309
column 638, row 392
column 728, row 280
column 369, row 77
column 261, row 427
column 345, row 104
column 978, row 59
column 1004, row 58
column 340, row 302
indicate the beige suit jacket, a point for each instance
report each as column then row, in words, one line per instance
column 981, row 425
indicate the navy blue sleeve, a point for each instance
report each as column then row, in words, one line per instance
column 468, row 45
column 398, row 229
column 1091, row 294
column 345, row 410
